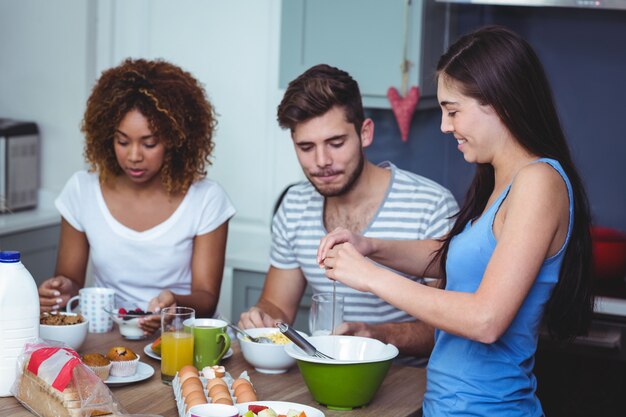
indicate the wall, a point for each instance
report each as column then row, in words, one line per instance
column 43, row 77
column 583, row 54
column 52, row 52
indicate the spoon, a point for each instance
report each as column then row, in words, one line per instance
column 260, row 339
column 300, row 341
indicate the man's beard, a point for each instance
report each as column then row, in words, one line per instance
column 348, row 186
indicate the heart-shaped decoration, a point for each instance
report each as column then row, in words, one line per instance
column 403, row 108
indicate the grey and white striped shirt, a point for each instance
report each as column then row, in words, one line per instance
column 414, row 208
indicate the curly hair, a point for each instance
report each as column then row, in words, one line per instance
column 178, row 113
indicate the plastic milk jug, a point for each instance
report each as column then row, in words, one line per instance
column 19, row 315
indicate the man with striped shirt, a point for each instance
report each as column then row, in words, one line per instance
column 323, row 110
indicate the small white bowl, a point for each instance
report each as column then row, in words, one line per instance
column 128, row 324
column 130, row 328
column 72, row 335
column 267, row 358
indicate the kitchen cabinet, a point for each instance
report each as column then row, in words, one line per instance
column 247, row 288
column 367, row 39
column 586, row 377
column 35, row 233
column 38, row 249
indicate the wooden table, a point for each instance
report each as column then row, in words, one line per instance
column 400, row 395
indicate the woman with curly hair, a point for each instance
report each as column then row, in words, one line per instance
column 154, row 226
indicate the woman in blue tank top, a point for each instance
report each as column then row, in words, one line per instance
column 519, row 253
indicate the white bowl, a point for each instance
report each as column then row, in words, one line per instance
column 72, row 335
column 267, row 358
column 345, row 349
column 128, row 323
column 130, row 328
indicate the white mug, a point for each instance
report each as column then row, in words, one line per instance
column 213, row 410
column 93, row 302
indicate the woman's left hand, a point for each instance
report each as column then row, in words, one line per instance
column 345, row 264
column 152, row 323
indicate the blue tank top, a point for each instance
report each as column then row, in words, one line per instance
column 470, row 378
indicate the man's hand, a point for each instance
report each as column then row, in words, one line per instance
column 255, row 317
column 411, row 338
column 357, row 328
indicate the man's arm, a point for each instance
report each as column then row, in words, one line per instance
column 279, row 300
column 413, row 338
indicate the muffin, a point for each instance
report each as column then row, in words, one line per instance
column 123, row 361
column 99, row 364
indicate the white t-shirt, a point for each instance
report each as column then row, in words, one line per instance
column 138, row 265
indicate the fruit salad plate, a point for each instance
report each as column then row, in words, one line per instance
column 280, row 407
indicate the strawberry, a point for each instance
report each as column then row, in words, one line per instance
column 256, row 408
column 122, row 311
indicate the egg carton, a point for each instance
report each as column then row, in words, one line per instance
column 180, row 400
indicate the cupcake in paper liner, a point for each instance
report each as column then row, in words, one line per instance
column 102, row 371
column 123, row 361
column 124, row 368
column 99, row 364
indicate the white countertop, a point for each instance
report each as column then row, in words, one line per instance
column 45, row 214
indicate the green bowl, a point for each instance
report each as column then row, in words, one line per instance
column 353, row 378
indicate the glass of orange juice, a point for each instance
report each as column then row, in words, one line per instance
column 176, row 341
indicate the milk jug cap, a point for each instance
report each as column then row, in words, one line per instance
column 9, row 256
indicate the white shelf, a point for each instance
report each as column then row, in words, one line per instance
column 612, row 306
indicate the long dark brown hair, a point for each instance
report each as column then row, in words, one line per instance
column 498, row 68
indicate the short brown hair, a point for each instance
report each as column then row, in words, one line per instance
column 178, row 113
column 315, row 92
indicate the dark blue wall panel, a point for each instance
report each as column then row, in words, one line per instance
column 584, row 54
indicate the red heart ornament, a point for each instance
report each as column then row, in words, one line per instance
column 403, row 108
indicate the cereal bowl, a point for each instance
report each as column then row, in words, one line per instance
column 267, row 358
column 73, row 334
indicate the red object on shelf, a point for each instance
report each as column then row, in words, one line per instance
column 609, row 253
column 403, row 108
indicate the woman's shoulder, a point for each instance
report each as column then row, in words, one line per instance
column 82, row 179
column 540, row 182
column 547, row 174
column 206, row 186
column 84, row 176
column 208, row 193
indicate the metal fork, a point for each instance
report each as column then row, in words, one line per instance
column 300, row 341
